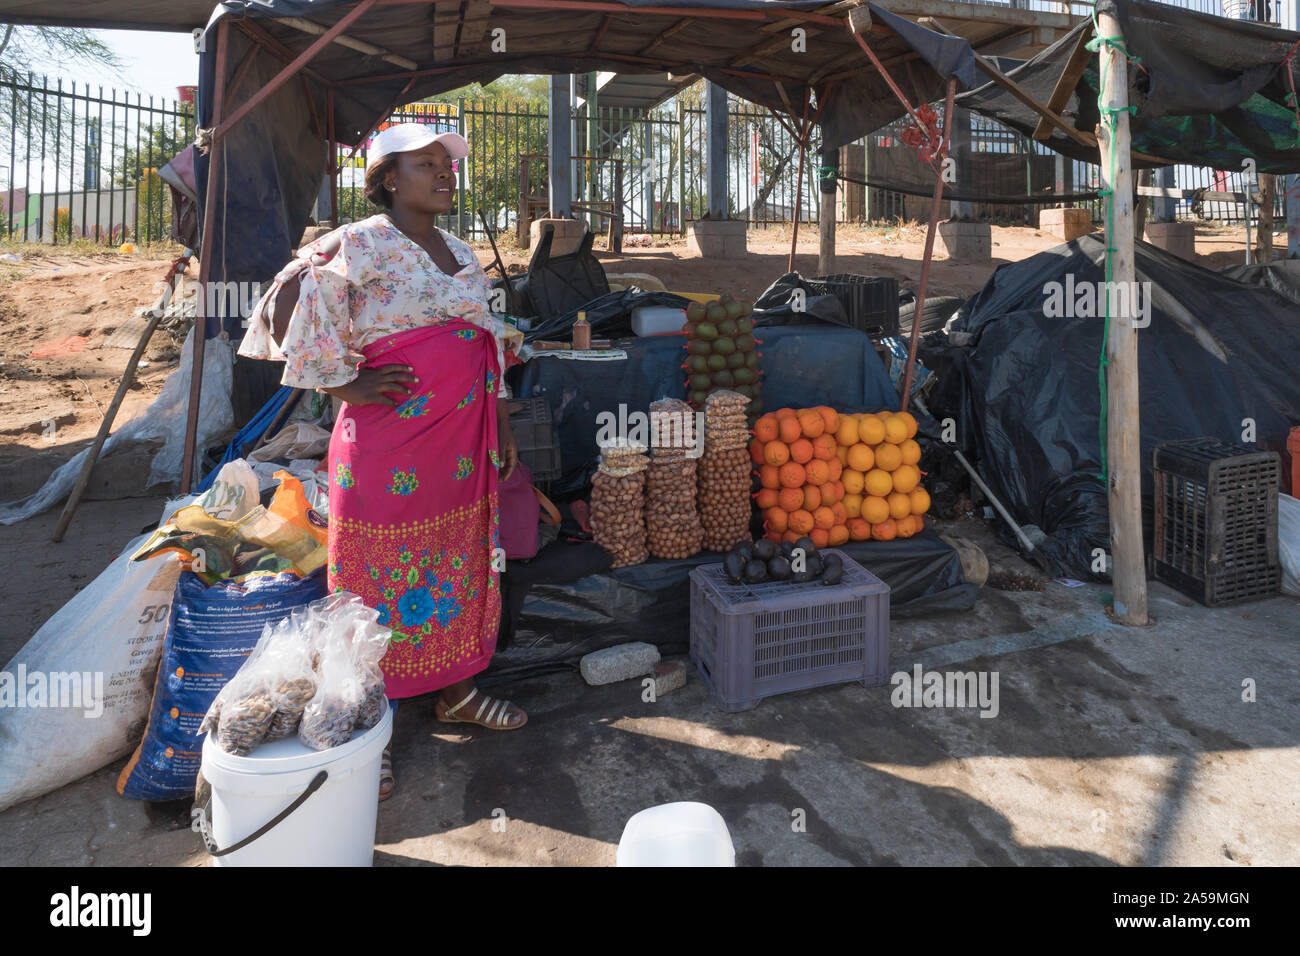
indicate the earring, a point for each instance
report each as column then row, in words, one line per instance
column 392, row 189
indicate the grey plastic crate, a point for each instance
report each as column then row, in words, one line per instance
column 534, row 432
column 752, row 641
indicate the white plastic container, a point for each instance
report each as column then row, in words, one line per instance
column 657, row 320
column 676, row 834
column 335, row 826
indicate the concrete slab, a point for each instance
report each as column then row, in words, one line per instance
column 1110, row 746
column 970, row 241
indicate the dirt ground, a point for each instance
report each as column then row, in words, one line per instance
column 1112, row 746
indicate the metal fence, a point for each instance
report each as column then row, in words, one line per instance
column 82, row 164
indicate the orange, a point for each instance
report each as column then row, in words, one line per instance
column 777, row 520
column 900, row 505
column 811, row 422
column 769, row 476
column 920, row 501
column 888, row 457
column 819, row 537
column 791, row 475
column 839, row 490
column 847, row 433
column 859, row 530
column 905, row 527
column 783, row 413
column 841, row 516
column 911, row 452
column 906, row 477
column 885, row 531
column 861, row 458
column 776, row 453
column 801, row 451
column 842, row 454
column 766, row 429
column 838, row 535
column 830, row 417
column 837, row 468
column 852, row 481
column 818, row 472
column 790, row 499
column 756, row 451
column 831, row 493
column 875, row 509
column 918, row 522
column 910, row 421
column 768, row 498
column 791, row 536
column 871, row 430
column 895, row 430
column 878, row 483
column 800, row 521
column 823, row 517
column 853, row 505
column 824, row 447
column 812, row 497
column 788, row 428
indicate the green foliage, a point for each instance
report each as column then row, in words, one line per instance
column 62, row 222
column 159, row 143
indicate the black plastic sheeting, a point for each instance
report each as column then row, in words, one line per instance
column 775, row 306
column 560, row 622
column 1024, row 388
column 1209, row 91
column 803, row 366
column 609, row 315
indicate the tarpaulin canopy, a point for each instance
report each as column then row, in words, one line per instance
column 1208, row 91
column 276, row 154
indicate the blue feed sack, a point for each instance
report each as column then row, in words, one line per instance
column 211, row 632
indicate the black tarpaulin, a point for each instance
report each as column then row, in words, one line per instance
column 1218, row 358
column 1208, row 91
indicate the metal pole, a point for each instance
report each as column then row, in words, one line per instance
column 206, row 248
column 560, row 147
column 798, row 182
column 681, row 166
column 1124, row 458
column 715, row 118
column 828, row 189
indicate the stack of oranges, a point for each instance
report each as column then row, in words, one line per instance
column 837, row 478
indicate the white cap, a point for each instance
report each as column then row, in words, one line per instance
column 404, row 137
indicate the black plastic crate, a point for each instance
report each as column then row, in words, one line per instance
column 539, row 448
column 1216, row 520
column 870, row 302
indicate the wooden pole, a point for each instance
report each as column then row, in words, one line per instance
column 206, row 243
column 798, row 183
column 935, row 204
column 826, row 249
column 1123, row 423
column 128, row 376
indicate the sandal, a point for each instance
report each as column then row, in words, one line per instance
column 493, row 719
column 387, row 782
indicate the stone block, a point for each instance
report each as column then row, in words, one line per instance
column 1176, row 237
column 568, row 235
column 620, row 662
column 1065, row 224
column 971, row 241
column 669, row 676
column 717, row 238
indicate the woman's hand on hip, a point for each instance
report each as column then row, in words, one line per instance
column 507, row 447
column 386, row 385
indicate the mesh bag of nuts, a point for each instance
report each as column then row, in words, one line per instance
column 724, row 471
column 671, row 519
column 618, row 516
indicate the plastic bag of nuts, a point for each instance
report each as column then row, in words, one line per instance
column 618, row 516
column 671, row 519
column 330, row 716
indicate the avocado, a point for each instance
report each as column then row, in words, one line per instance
column 816, row 565
column 778, row 568
column 743, row 376
column 699, row 347
column 751, row 360
column 734, row 565
column 755, row 572
column 715, row 312
column 723, row 379
column 747, row 391
column 695, row 312
column 744, row 325
column 736, row 360
column 699, row 363
column 764, row 549
column 727, row 327
column 743, row 548
column 707, row 331
column 724, row 346
column 717, row 363
column 807, row 544
column 699, row 397
column 833, row 570
column 755, row 406
column 700, row 382
column 743, row 342
column 801, row 577
column 786, row 549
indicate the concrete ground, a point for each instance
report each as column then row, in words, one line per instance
column 1110, row 746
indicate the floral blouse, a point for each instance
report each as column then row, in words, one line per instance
column 380, row 282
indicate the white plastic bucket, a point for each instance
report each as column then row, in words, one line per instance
column 676, row 834
column 335, row 826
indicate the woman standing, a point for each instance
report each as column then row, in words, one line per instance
column 391, row 316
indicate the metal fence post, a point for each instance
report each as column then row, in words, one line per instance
column 460, row 186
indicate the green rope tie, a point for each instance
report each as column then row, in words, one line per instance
column 827, row 173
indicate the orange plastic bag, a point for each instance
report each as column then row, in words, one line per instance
column 290, row 503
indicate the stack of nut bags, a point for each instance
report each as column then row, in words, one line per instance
column 672, row 521
column 724, row 471
column 618, row 502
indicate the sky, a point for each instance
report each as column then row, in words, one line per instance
column 154, row 63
